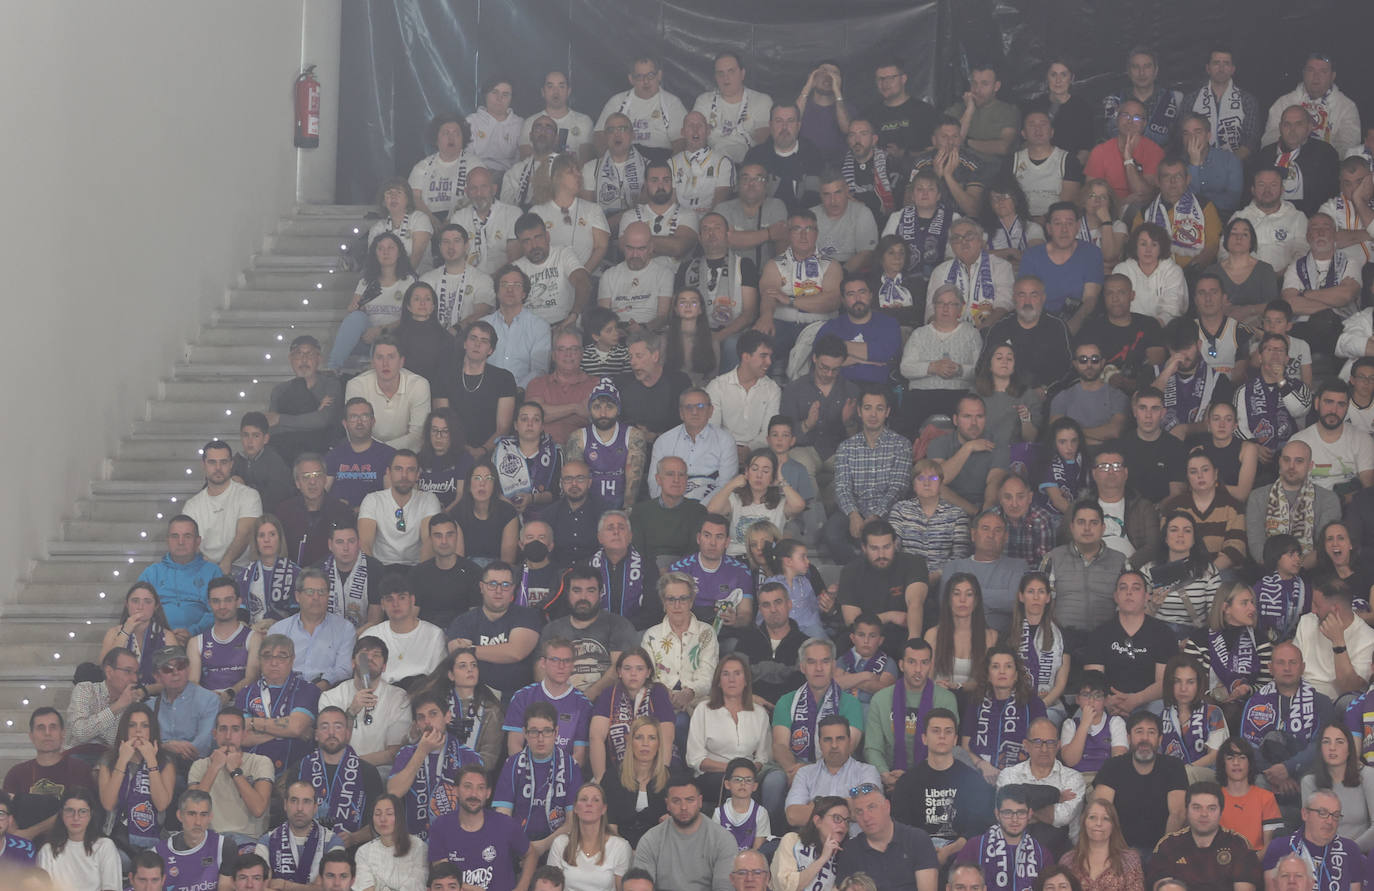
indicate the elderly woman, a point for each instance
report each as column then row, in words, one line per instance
column 928, row 524
column 684, row 649
column 938, row 360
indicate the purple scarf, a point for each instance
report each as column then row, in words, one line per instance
column 433, row 792
column 925, row 239
column 136, row 804
column 899, row 734
column 1269, row 420
column 343, row 803
column 1000, row 739
column 282, row 855
column 1184, row 399
column 1262, row 714
column 1279, row 601
column 1007, row 870
column 624, row 710
column 555, row 792
column 1306, row 268
column 1233, row 665
column 278, row 599
column 633, row 595
column 1041, row 670
column 1186, row 743
column 806, row 712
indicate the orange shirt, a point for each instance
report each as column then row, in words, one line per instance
column 1251, row 814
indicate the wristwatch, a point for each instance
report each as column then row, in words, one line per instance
column 236, row 773
column 1338, row 650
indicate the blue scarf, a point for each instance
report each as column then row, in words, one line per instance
column 342, row 803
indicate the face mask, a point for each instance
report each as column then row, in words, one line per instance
column 536, row 552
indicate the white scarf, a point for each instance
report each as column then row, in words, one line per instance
column 728, row 128
column 616, row 191
column 1225, row 115
column 1188, row 229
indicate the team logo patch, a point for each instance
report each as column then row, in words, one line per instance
column 1280, row 234
column 1224, row 857
column 173, row 870
column 489, row 853
column 1262, row 716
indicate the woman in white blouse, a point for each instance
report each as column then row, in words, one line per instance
column 939, row 359
column 76, row 855
column 1160, row 289
column 732, row 725
column 395, row 860
column 591, row 856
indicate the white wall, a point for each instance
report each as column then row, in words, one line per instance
column 146, row 149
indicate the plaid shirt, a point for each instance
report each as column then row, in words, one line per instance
column 870, row 480
column 939, row 538
column 89, row 718
column 1033, row 537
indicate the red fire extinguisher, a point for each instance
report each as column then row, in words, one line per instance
column 307, row 109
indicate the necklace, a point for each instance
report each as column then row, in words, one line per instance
column 478, row 385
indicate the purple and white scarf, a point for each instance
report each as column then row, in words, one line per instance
column 892, row 293
column 136, row 804
column 632, row 597
column 343, row 803
column 1185, row 400
column 1000, row 740
column 1188, row 228
column 624, row 709
column 1225, row 115
column 925, row 239
column 1041, row 669
column 1306, row 268
column 269, row 591
column 555, row 789
column 1329, row 873
column 1279, row 601
column 1262, row 714
column 349, row 601
column 978, row 294
column 806, row 713
column 1232, row 666
column 1006, row 870
column 1186, row 743
column 899, row 734
column 282, row 854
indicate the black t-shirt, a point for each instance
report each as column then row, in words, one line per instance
column 474, row 398
column 947, row 804
column 574, row 529
column 1123, row 345
column 1075, row 124
column 774, row 668
column 894, row 868
column 1226, row 458
column 372, row 787
column 482, row 538
column 1130, row 660
column 652, row 407
column 1143, row 799
column 474, row 625
column 795, row 176
column 1153, row 465
column 908, row 126
column 443, row 594
column 1042, row 352
column 880, row 590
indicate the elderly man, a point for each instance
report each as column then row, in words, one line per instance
column 1127, row 160
column 1214, row 173
column 626, row 573
column 490, row 224
column 563, row 392
column 1335, row 119
column 794, row 164
column 638, row 289
column 95, row 709
column 665, row 526
column 1055, row 791
column 984, row 281
column 1192, row 223
column 1282, row 722
column 1324, row 285
column 185, row 711
column 758, row 223
column 308, row 516
column 1310, row 167
column 833, row 773
column 1030, row 527
column 897, row 857
column 847, row 231
column 615, row 179
column 279, row 709
column 797, row 715
column 1041, row 340
column 1280, row 228
column 1316, row 845
column 703, row 175
column 798, row 287
column 303, row 413
column 1158, row 105
column 649, row 393
column 710, row 453
column 750, row 871
column 321, row 639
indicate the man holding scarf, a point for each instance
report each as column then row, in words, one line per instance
column 1271, row 406
column 1334, row 863
column 1232, row 114
column 1281, row 721
column 1192, row 223
column 279, row 708
column 345, row 785
column 1202, row 854
column 797, row 714
column 293, row 849
column 897, row 722
column 427, row 773
column 615, row 179
column 873, row 178
column 984, row 281
column 539, row 783
column 1009, row 857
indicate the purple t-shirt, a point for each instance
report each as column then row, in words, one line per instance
column 223, row 664
column 574, row 713
column 536, row 805
column 357, row 473
column 282, row 752
column 487, row 857
column 1064, row 283
column 880, row 334
column 1338, row 865
column 730, row 577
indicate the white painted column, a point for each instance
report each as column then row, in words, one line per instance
column 321, row 34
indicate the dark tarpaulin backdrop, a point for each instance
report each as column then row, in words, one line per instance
column 405, row 60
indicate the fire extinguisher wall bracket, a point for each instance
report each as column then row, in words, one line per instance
column 307, row 109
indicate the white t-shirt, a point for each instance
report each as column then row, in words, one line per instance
column 1337, row 463
column 577, row 125
column 588, row 875
column 441, row 183
column 218, row 516
column 1291, row 280
column 853, row 233
column 496, row 142
column 697, row 175
column 1320, row 661
column 390, row 717
column 1114, row 527
column 459, row 293
column 76, row 869
column 415, row 221
column 551, row 290
column 733, row 123
column 665, row 223
column 385, row 308
column 487, row 238
column 417, row 651
column 656, row 121
column 634, row 296
column 1281, row 235
column 391, row 544
column 575, row 229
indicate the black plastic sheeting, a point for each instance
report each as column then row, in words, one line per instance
column 405, row 60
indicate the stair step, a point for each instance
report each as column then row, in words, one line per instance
column 273, row 337
column 300, row 317
column 324, row 246
column 337, row 228
column 266, row 356
column 126, row 531
column 206, row 412
column 174, row 491
column 147, row 551
column 158, row 469
column 59, row 632
column 107, row 574
column 95, row 611
column 279, row 280
column 131, row 510
column 225, row 428
column 218, row 390
column 332, row 211
column 76, row 594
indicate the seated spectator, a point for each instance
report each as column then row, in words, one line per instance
column 1030, row 527
column 1157, row 282
column 1216, row 173
column 1126, row 160
column 135, row 779
column 97, row 707
column 77, row 854
column 605, row 354
column 294, row 849
column 1053, row 790
column 969, row 460
column 573, row 710
column 1310, row 166
column 997, row 574
column 690, row 850
column 940, row 794
column 665, row 526
column 1156, row 462
column 691, row 346
column 1099, row 220
column 772, row 646
column 1174, row 858
column 267, row 584
column 425, row 343
column 259, row 467
column 345, row 785
column 1006, row 214
column 357, row 464
column 574, row 518
column 1337, row 555
column 530, row 460
column 1338, row 769
column 143, row 631
column 962, row 637
column 394, row 857
column 427, row 772
column 303, row 413
column 887, row 280
column 393, row 524
column 872, row 342
column 489, row 222
column 1035, row 338
column 960, row 170
column 521, row 337
column 712, row 746
column 1322, row 286
column 279, row 710
column 34, row 788
column 239, row 783
column 463, row 292
column 834, row 770
column 1070, row 269
column 197, row 853
column 636, row 791
column 1342, row 456
column 1285, row 750
column 637, row 289
column 848, row 231
column 377, row 711
column 185, row 711
column 928, row 526
column 987, row 124
column 1191, row 226
column 616, row 465
column 1292, row 505
column 1281, row 229
column 923, row 223
column 796, row 715
column 635, row 693
column 529, row 181
column 1182, row 578
column 446, row 584
column 1088, row 565
column 353, row 578
column 1149, row 784
column 1099, row 409
column 1159, row 104
column 539, row 804
column 805, row 857
column 376, row 304
column 1094, row 735
column 673, row 227
column 1233, row 650
column 507, row 633
column 1336, row 645
column 1193, row 728
column 225, row 510
column 1250, row 284
column 1254, row 812
column 1350, row 207
column 937, row 385
column 1236, row 460
column 489, row 524
column 1049, row 166
column 760, row 493
column 415, row 647
column 1006, row 849
column 894, row 855
column 703, row 176
column 590, row 855
column 321, row 639
column 746, row 397
column 1284, row 863
column 711, row 454
column 864, row 668
column 723, row 586
column 685, row 648
column 1278, row 319
column 1100, row 841
column 615, row 179
column 307, row 517
column 1063, row 470
column 455, row 838
column 1039, row 641
column 789, row 566
column 1131, row 649
column 1281, row 594
column 496, row 128
column 1002, row 708
column 1229, row 114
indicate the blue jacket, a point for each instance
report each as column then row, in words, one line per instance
column 181, row 588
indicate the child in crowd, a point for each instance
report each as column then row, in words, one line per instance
column 605, row 354
column 1281, row 593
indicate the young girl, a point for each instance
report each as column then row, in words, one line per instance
column 740, row 813
column 758, row 493
column 1004, row 704
column 1040, row 642
column 688, row 344
column 604, row 355
column 792, row 568
column 1193, row 727
column 1281, row 593
column 1065, row 475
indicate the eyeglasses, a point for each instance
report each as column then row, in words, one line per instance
column 559, row 660
column 504, row 586
column 540, row 732
column 1041, row 743
column 174, row 665
column 312, row 474
column 1323, row 813
column 748, row 781
column 681, row 598
column 750, row 873
column 928, row 478
column 440, row 431
column 1017, row 814
column 400, row 519
column 862, row 789
column 1110, row 466
column 753, row 178
column 838, row 818
column 484, row 478
column 964, row 238
column 1088, row 359
column 76, row 812
column 1137, row 118
column 695, row 406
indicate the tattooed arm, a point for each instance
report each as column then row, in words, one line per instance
column 634, row 463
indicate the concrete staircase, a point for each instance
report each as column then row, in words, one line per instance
column 296, row 285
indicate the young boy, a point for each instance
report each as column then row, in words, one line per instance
column 1278, row 319
column 865, row 669
column 781, row 438
column 1086, row 744
column 539, row 783
column 261, row 467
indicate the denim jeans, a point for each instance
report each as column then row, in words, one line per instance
column 351, row 331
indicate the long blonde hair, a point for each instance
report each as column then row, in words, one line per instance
column 603, row 830
column 659, row 779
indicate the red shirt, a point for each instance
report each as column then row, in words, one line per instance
column 1105, row 162
column 548, row 391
